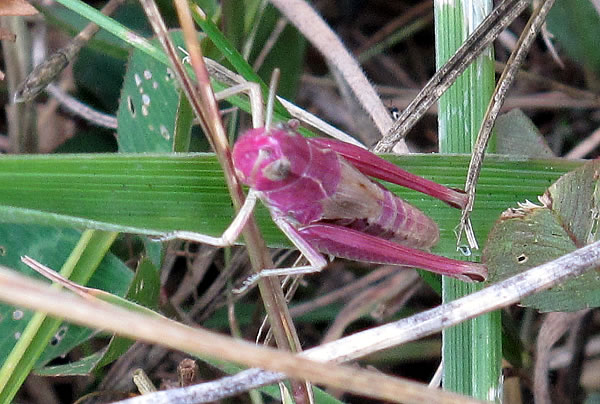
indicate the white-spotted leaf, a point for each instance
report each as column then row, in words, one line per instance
column 148, row 106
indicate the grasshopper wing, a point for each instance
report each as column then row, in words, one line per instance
column 374, row 166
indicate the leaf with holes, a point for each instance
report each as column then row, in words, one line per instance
column 534, row 234
column 148, row 105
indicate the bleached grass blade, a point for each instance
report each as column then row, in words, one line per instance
column 503, row 294
column 314, row 28
column 25, row 292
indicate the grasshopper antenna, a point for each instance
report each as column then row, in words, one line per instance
column 271, row 99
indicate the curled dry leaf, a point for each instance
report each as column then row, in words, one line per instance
column 16, row 7
column 532, row 234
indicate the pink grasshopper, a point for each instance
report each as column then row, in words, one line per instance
column 318, row 194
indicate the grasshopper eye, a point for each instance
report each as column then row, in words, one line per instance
column 278, row 170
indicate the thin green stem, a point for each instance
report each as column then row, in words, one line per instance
column 472, row 350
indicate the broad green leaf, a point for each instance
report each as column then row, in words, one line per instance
column 100, row 77
column 531, row 235
column 575, row 26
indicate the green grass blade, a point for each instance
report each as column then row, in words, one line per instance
column 150, row 194
column 236, row 59
column 115, row 28
column 229, row 51
column 183, row 125
column 472, row 351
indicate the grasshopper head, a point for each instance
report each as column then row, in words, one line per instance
column 270, row 160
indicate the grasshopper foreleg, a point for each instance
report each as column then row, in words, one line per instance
column 229, row 236
column 314, row 257
column 255, row 96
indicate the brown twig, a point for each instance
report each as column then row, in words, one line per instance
column 21, row 291
column 203, row 102
column 479, row 39
column 514, row 63
column 312, row 26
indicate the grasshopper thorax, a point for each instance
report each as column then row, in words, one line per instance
column 270, row 160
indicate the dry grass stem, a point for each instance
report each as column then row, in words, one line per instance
column 22, row 291
column 499, row 295
column 205, row 106
column 305, row 18
column 533, row 27
column 479, row 39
